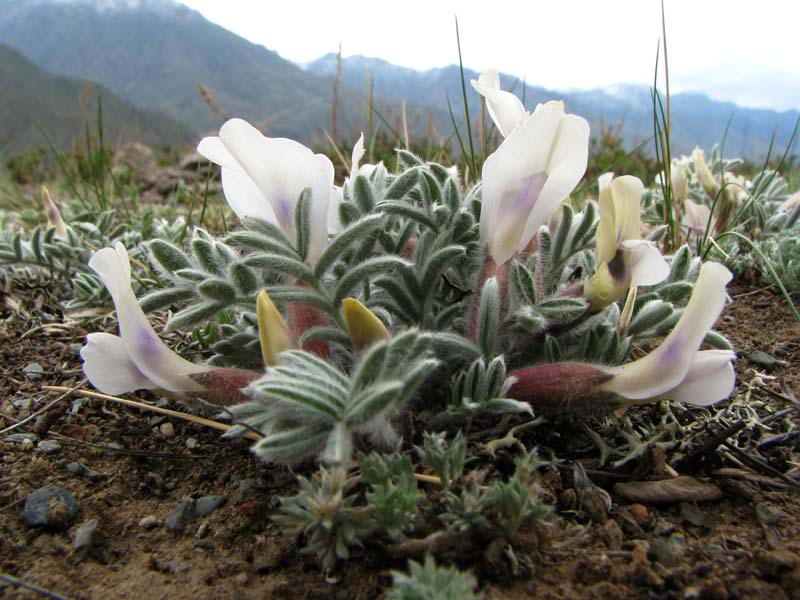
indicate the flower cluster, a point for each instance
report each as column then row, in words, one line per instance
column 364, row 292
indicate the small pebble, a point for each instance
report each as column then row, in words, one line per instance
column 21, row 438
column 203, row 530
column 50, row 506
column 639, row 512
column 192, row 443
column 248, row 490
column 240, row 578
column 33, row 371
column 84, row 538
column 22, row 404
column 149, row 522
column 762, row 359
column 181, row 516
column 176, row 565
column 206, row 505
column 768, row 514
column 669, row 552
column 49, row 446
column 167, row 430
column 81, row 470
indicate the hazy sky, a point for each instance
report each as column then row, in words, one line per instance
column 745, row 51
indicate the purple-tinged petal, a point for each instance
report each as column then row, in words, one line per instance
column 108, row 367
column 666, row 367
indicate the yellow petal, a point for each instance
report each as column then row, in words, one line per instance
column 363, row 326
column 271, row 329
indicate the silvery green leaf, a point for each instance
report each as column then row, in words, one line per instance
column 203, row 251
column 218, row 291
column 370, row 401
column 407, row 211
column 168, row 256
column 649, row 316
column 562, row 233
column 280, row 264
column 363, row 196
column 409, row 159
column 257, row 241
column 403, row 185
column 489, row 317
column 301, row 294
column 363, row 271
column 718, row 341
column 353, row 233
column 454, row 350
column 563, row 310
column 292, row 445
column 243, row 278
column 437, row 263
column 164, row 297
column 552, row 349
column 325, row 332
column 193, row 315
column 302, row 223
column 681, row 264
column 675, row 292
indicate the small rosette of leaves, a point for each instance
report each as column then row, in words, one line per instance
column 323, row 512
column 305, row 407
column 426, row 581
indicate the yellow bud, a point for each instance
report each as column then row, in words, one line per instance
column 363, row 326
column 272, row 330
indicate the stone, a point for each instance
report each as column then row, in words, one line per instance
column 762, row 359
column 34, row 371
column 21, row 438
column 206, row 505
column 149, row 522
column 767, row 514
column 50, row 506
column 49, row 446
column 180, row 516
column 668, row 552
column 167, row 430
column 84, row 539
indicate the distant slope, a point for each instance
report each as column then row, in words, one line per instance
column 63, row 106
column 155, row 53
column 696, row 119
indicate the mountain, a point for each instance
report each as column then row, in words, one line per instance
column 63, row 106
column 155, row 54
column 696, row 119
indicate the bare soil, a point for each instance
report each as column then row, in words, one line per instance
column 746, row 545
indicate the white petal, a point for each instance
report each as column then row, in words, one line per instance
column 695, row 216
column 358, row 154
column 548, row 141
column 334, row 224
column 244, row 197
column 321, row 182
column 505, row 109
column 603, row 181
column 278, row 168
column 644, row 262
column 711, row 378
column 150, row 355
column 109, row 368
column 666, row 367
column 565, row 166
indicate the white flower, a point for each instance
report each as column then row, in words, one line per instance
column 703, row 173
column 529, row 175
column 263, row 177
column 623, row 259
column 505, row 109
column 137, row 358
column 676, row 369
column 695, row 218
